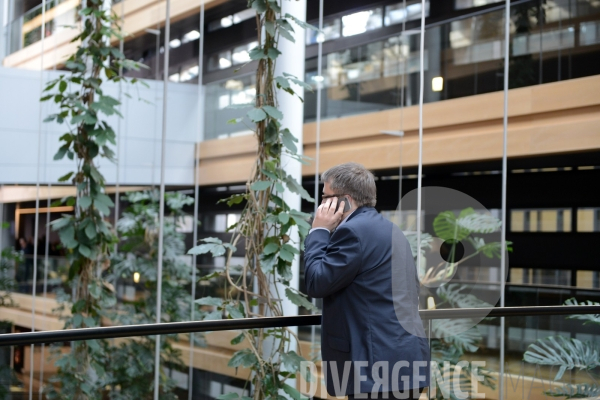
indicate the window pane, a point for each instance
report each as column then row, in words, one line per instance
column 396, row 14
column 517, row 221
column 240, row 54
column 588, row 220
column 219, row 61
column 331, row 30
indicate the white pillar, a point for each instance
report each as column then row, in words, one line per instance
column 291, row 61
column 3, row 29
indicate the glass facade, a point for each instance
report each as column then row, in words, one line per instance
column 370, row 72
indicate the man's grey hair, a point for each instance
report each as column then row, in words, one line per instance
column 354, row 180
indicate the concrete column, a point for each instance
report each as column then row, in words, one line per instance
column 291, row 61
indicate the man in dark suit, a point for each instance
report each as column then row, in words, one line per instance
column 372, row 340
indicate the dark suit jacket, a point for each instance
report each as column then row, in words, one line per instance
column 367, row 278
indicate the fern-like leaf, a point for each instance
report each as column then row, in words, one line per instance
column 588, row 318
column 453, row 295
column 459, row 332
column 582, row 391
column 566, row 354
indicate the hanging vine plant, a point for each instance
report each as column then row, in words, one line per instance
column 256, row 288
column 86, row 236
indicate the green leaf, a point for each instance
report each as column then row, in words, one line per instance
column 238, row 339
column 209, row 276
column 271, row 248
column 288, row 139
column 85, row 202
column 85, row 251
column 67, row 237
column 299, row 300
column 234, row 312
column 90, row 231
column 61, row 152
column 259, row 5
column 228, row 396
column 273, row 53
column 284, row 217
column 216, row 249
column 61, row 222
column 66, row 177
column 256, row 115
column 270, row 28
column 300, row 23
column 293, row 392
column 287, row 34
column 77, row 320
column 292, row 361
column 261, row 185
column 210, row 301
column 90, row 322
column 257, row 53
column 62, row 86
column 273, row 112
column 282, row 82
column 295, row 187
column 95, row 290
column 242, row 358
column 286, row 255
column 588, row 318
column 104, row 199
column 564, row 353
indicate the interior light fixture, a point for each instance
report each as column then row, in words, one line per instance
column 437, row 84
column 174, row 78
column 136, row 277
column 175, row 43
column 320, row 37
column 356, row 23
column 227, row 21
column 318, row 78
column 190, row 36
column 224, row 63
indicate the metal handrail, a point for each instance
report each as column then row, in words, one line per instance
column 15, row 339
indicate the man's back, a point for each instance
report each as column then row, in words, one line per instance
column 366, row 276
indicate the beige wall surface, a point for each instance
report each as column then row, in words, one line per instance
column 552, row 118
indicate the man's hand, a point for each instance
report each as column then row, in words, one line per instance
column 327, row 217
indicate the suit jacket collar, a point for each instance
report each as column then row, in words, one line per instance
column 359, row 210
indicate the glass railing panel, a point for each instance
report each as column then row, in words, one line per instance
column 529, row 372
column 130, row 361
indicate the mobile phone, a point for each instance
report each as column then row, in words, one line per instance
column 346, row 204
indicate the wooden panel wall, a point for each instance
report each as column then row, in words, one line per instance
column 545, row 119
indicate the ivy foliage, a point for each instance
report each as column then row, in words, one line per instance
column 138, row 229
column 268, row 225
column 88, row 238
column 570, row 354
